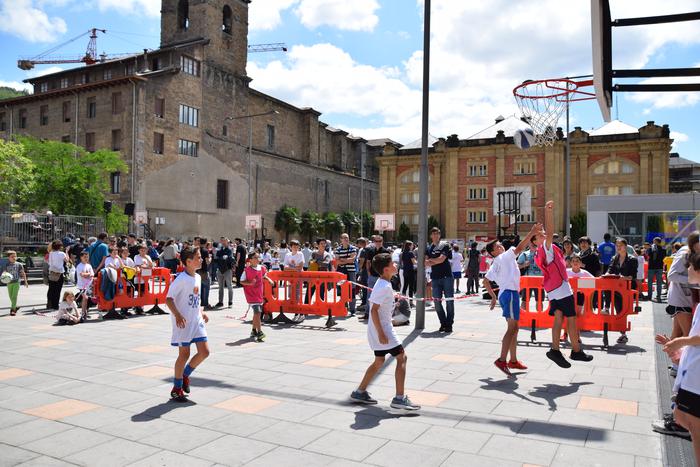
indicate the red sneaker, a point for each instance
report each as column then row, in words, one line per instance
column 178, row 395
column 503, row 366
column 517, row 365
column 186, row 384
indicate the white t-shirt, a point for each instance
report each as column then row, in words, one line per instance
column 456, row 261
column 282, row 253
column 504, row 271
column 56, row 261
column 640, row 267
column 146, row 265
column 383, row 295
column 689, row 367
column 115, row 262
column 307, row 255
column 128, row 262
column 581, row 273
column 294, row 260
column 185, row 292
column 84, row 282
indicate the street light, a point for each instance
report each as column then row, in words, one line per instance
column 250, row 150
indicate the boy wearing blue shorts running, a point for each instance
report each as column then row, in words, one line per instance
column 504, row 271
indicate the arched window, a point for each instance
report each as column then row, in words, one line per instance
column 183, row 14
column 227, row 25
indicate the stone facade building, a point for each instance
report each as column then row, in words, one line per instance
column 166, row 112
column 684, row 174
column 465, row 173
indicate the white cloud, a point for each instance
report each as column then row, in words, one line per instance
column 266, row 15
column 16, row 85
column 21, row 18
column 679, row 137
column 133, row 7
column 665, row 100
column 44, row 71
column 356, row 15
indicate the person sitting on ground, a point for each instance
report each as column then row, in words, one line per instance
column 67, row 310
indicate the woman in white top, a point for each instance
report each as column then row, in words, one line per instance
column 456, row 266
column 57, row 264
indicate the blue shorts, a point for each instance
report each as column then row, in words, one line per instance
column 457, row 274
column 510, row 303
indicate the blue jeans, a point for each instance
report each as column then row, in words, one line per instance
column 205, row 293
column 444, row 286
column 351, row 277
column 658, row 275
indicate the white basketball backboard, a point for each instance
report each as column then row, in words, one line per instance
column 253, row 221
column 384, row 222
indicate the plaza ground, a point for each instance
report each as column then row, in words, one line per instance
column 97, row 394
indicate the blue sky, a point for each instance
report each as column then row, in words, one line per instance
column 360, row 62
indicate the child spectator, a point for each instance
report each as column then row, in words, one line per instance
column 382, row 337
column 456, row 265
column 16, row 270
column 85, row 276
column 144, row 268
column 252, row 282
column 67, row 310
column 188, row 321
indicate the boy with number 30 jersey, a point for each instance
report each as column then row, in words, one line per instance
column 188, row 321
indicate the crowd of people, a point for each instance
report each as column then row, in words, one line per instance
column 379, row 273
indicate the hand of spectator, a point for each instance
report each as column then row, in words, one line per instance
column 382, row 338
column 661, row 339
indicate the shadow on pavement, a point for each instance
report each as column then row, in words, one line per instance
column 550, row 392
column 506, row 386
column 159, row 410
column 371, row 417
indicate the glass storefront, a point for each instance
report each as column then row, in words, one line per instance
column 637, row 227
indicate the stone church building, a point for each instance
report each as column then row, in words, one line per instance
column 181, row 115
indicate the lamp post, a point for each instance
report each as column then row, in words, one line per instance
column 250, row 151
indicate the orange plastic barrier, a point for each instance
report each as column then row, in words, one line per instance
column 644, row 283
column 324, row 296
column 127, row 296
column 624, row 301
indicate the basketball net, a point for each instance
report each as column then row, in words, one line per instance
column 542, row 102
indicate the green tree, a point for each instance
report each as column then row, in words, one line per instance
column 351, row 221
column 367, row 220
column 579, row 226
column 17, row 180
column 287, row 220
column 9, row 93
column 433, row 222
column 117, row 222
column 332, row 224
column 310, row 225
column 69, row 179
column 404, row 233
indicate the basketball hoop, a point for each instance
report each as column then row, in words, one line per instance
column 542, row 102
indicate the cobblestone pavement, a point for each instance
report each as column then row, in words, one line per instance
column 97, row 394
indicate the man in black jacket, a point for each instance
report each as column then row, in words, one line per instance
column 589, row 258
column 656, row 267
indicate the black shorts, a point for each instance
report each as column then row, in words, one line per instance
column 257, row 308
column 674, row 310
column 688, row 402
column 580, row 299
column 565, row 305
column 398, row 350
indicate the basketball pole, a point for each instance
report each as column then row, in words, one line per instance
column 567, row 183
column 423, row 207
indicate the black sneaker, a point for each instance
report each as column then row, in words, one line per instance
column 557, row 357
column 219, row 305
column 362, row 397
column 668, row 427
column 178, row 395
column 580, row 356
column 442, row 329
column 448, row 330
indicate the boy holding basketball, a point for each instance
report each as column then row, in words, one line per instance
column 561, row 298
column 188, row 321
column 382, row 337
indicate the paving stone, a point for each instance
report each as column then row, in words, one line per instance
column 554, row 433
column 520, row 449
column 12, row 455
column 374, row 421
column 291, row 458
column 461, row 459
column 398, row 453
column 232, row 450
column 574, row 456
column 180, row 438
column 293, row 435
column 67, row 442
column 351, row 446
column 453, row 439
column 640, row 425
column 601, row 404
column 241, row 424
column 31, row 431
column 171, row 459
column 117, row 452
column 43, row 461
column 629, row 443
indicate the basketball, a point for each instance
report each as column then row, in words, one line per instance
column 5, row 278
column 524, row 138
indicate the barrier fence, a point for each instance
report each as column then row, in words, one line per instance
column 29, row 230
column 594, row 292
column 138, row 291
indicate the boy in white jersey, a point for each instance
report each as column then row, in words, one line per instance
column 188, row 321
column 382, row 337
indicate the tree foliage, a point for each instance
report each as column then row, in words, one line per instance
column 287, row 220
column 333, row 224
column 116, row 221
column 404, row 233
column 69, row 179
column 16, row 174
column 9, row 93
column 433, row 222
column 367, row 223
column 579, row 226
column 311, row 224
column 351, row 221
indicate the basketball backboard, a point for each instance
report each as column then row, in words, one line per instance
column 253, row 221
column 384, row 222
column 507, row 204
column 603, row 72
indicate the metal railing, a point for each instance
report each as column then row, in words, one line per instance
column 29, row 230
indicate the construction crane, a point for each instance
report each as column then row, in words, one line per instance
column 44, row 58
column 91, row 57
